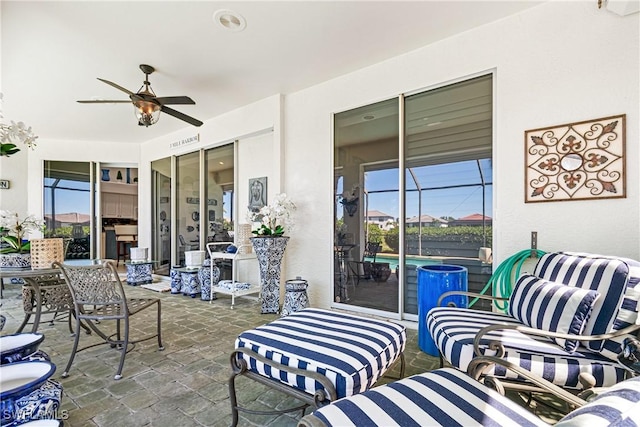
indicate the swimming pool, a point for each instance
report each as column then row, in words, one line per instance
column 418, row 261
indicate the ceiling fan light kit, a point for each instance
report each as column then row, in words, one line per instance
column 146, row 105
column 147, row 113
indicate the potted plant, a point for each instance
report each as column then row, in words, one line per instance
column 269, row 244
column 349, row 199
column 14, row 251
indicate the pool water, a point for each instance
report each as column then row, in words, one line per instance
column 410, row 259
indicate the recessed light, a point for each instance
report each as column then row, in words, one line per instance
column 229, row 20
column 369, row 117
column 222, row 163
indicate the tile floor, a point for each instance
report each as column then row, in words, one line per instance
column 184, row 385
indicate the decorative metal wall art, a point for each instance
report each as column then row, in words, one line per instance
column 576, row 161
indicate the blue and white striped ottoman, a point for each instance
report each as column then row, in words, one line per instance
column 448, row 397
column 347, row 353
column 444, row 397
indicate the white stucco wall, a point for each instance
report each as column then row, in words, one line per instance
column 556, row 63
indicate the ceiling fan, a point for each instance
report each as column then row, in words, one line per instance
column 147, row 105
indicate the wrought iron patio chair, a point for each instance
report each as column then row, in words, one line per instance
column 98, row 296
column 363, row 269
column 46, row 294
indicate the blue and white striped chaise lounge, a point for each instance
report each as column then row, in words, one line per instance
column 317, row 356
column 524, row 336
column 448, row 397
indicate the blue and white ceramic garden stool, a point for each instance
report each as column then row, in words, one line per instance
column 190, row 282
column 208, row 275
column 295, row 297
column 176, row 280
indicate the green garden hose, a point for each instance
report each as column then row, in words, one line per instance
column 502, row 278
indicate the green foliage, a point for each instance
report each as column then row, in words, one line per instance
column 267, row 231
column 461, row 234
column 374, row 233
column 15, row 246
column 392, row 239
column 8, row 149
column 66, row 231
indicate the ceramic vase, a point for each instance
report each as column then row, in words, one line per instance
column 27, row 392
column 21, row 347
column 269, row 251
column 15, row 260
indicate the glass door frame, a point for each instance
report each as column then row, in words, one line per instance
column 401, row 314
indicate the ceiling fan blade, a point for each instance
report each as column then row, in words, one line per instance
column 168, row 100
column 127, row 91
column 181, row 116
column 104, row 101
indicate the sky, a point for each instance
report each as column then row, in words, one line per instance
column 456, row 202
column 447, row 191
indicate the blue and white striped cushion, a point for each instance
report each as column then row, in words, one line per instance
column 353, row 352
column 552, row 307
column 628, row 313
column 453, row 330
column 619, row 406
column 606, row 275
column 444, row 397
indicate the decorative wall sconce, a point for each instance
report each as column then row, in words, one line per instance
column 349, row 199
column 576, row 161
column 350, row 206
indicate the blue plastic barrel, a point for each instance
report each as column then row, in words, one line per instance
column 433, row 281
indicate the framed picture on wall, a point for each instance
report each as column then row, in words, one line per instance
column 257, row 193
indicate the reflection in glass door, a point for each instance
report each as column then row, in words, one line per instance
column 68, row 195
column 187, row 204
column 219, row 190
column 161, row 224
column 366, row 162
column 437, row 209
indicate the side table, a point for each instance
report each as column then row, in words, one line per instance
column 185, row 280
column 139, row 272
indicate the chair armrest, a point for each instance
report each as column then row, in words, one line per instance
column 479, row 364
column 497, row 346
column 470, row 294
column 311, row 421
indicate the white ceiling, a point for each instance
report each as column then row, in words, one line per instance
column 52, row 52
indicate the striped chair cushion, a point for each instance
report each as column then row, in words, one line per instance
column 353, row 352
column 628, row 313
column 552, row 307
column 618, row 406
column 453, row 330
column 444, row 397
column 606, row 275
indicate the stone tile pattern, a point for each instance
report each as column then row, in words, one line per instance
column 184, row 385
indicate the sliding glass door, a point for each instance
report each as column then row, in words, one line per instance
column 192, row 203
column 161, row 214
column 69, row 195
column 413, row 187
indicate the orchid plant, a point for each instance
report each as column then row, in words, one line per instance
column 351, row 196
column 275, row 217
column 13, row 230
column 14, row 133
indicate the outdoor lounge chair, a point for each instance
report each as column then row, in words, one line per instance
column 448, row 397
column 98, row 296
column 566, row 323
